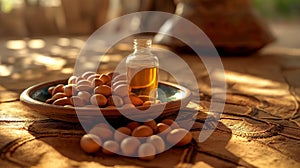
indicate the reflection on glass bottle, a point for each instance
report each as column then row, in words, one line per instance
column 142, row 69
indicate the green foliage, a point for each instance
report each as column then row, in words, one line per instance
column 6, row 5
column 278, row 8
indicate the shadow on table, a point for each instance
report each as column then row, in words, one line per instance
column 213, row 151
column 59, row 143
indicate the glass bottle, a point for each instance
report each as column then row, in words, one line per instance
column 142, row 70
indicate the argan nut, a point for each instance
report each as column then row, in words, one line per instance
column 115, row 101
column 87, row 88
column 110, row 107
column 127, row 100
column 146, row 151
column 132, row 125
column 98, row 99
column 108, row 84
column 103, row 89
column 142, row 131
column 121, row 90
column 121, row 133
column 144, row 98
column 112, row 74
column 92, row 77
column 110, row 147
column 179, row 137
column 50, row 89
column 70, row 90
column 102, row 132
column 130, row 145
column 157, row 142
column 128, row 106
column 63, row 101
column 79, row 79
column 119, row 77
column 85, row 96
column 58, row 88
column 90, row 143
column 58, row 96
column 163, row 129
column 49, row 101
column 84, row 82
column 77, row 101
column 152, row 124
column 135, row 100
column 97, row 82
column 104, row 125
column 87, row 74
column 68, row 106
column 117, row 83
column 105, row 79
column 170, row 123
column 147, row 103
column 72, row 80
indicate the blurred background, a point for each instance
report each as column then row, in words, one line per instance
column 283, row 16
column 67, row 17
column 40, row 39
column 34, row 18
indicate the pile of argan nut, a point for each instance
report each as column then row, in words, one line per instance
column 143, row 140
column 111, row 90
column 95, row 90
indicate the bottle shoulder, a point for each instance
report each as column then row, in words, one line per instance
column 142, row 61
column 142, row 56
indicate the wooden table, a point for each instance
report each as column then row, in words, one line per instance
column 259, row 127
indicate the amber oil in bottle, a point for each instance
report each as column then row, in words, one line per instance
column 142, row 70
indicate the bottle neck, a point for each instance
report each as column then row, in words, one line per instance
column 142, row 45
